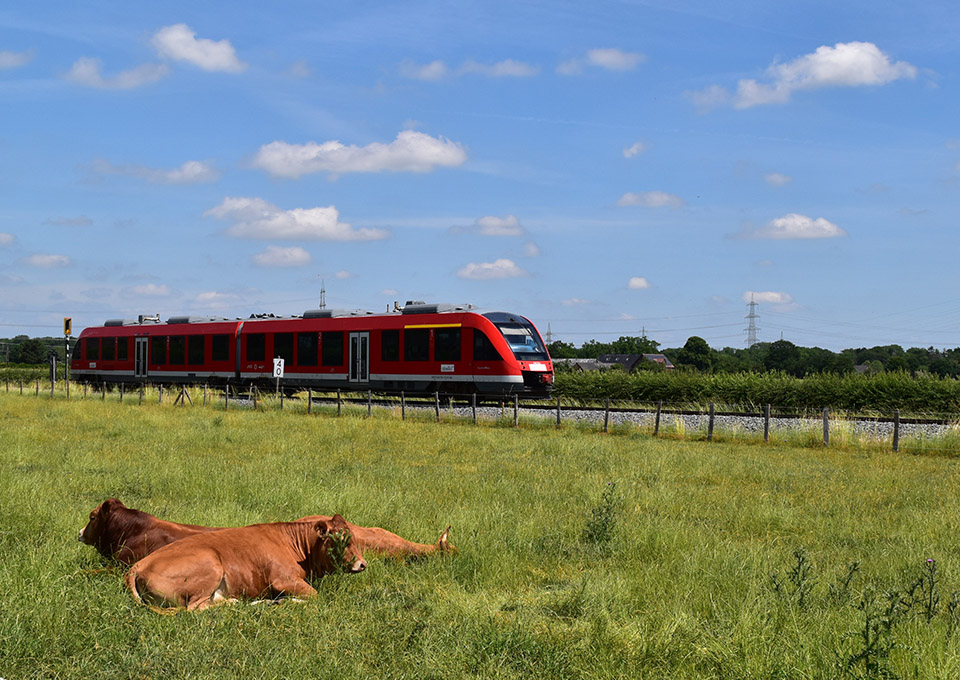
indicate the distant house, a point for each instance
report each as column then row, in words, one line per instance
column 629, row 362
column 579, row 365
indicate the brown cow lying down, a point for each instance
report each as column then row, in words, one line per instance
column 128, row 535
column 258, row 561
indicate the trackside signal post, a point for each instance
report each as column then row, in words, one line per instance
column 67, row 329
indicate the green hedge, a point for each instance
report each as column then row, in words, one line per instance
column 881, row 392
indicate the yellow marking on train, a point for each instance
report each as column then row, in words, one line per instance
column 434, row 325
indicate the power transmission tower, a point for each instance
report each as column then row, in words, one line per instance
column 752, row 317
column 549, row 334
column 323, row 295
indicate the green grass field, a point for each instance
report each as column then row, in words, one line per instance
column 581, row 554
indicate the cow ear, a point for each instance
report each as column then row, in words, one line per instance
column 338, row 522
column 321, row 528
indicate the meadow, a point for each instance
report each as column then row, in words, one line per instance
column 581, row 554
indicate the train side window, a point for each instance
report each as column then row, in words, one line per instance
column 306, row 349
column 91, row 349
column 331, row 343
column 390, row 345
column 256, row 347
column 283, row 347
column 416, row 344
column 195, row 349
column 108, row 347
column 220, row 347
column 178, row 349
column 158, row 350
column 446, row 344
column 122, row 346
column 483, row 349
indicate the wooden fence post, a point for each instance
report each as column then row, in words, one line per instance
column 558, row 410
column 436, row 401
column 403, row 406
column 204, row 394
column 369, row 403
column 766, row 424
column 121, row 393
column 606, row 416
column 896, row 430
column 473, row 405
column 339, row 404
column 226, row 398
column 710, row 422
column 160, row 393
column 516, row 410
column 826, row 427
column 103, row 392
column 139, row 403
column 38, row 388
column 656, row 422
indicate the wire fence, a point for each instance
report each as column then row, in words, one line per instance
column 932, row 433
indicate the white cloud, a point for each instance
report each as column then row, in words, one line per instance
column 610, row 59
column 277, row 256
column 438, row 70
column 500, row 269
column 435, row 70
column 574, row 302
column 411, row 151
column 257, row 219
column 614, row 59
column 852, row 64
column 651, row 199
column 499, row 226
column 9, row 60
column 638, row 283
column 7, row 239
column 770, row 297
column 179, row 42
column 634, row 150
column 709, row 98
column 343, row 274
column 86, row 71
column 795, row 226
column 215, row 300
column 531, row 249
column 508, row 68
column 148, row 290
column 47, row 261
column 190, row 172
column 300, row 69
column 776, row 179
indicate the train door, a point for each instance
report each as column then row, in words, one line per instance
column 360, row 357
column 140, row 358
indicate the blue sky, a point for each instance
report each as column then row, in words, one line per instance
column 603, row 168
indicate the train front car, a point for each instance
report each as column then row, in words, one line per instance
column 525, row 367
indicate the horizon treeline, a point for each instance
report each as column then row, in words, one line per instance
column 781, row 355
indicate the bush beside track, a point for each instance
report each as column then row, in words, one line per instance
column 883, row 392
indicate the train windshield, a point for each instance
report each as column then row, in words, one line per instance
column 520, row 335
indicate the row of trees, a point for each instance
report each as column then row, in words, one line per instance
column 781, row 355
column 695, row 354
column 23, row 349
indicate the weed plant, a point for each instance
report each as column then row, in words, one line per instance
column 681, row 589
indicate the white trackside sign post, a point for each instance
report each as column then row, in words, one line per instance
column 278, row 371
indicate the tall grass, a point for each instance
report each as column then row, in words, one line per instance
column 681, row 588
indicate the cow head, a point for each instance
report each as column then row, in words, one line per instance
column 337, row 551
column 97, row 527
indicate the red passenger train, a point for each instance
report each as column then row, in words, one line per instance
column 417, row 348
